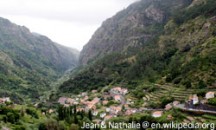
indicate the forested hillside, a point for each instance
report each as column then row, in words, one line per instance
column 153, row 62
column 180, row 48
column 29, row 62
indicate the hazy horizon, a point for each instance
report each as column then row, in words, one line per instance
column 70, row 23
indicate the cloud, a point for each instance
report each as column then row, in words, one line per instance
column 59, row 18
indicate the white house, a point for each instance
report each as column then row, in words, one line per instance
column 157, row 114
column 84, row 94
column 195, row 99
column 5, row 99
column 102, row 115
column 210, row 95
column 95, row 113
column 107, row 109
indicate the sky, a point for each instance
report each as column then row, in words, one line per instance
column 67, row 22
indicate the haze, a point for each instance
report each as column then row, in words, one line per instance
column 67, row 22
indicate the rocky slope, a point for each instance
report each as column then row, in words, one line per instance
column 181, row 52
column 130, row 28
column 30, row 61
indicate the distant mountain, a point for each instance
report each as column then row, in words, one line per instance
column 30, row 61
column 152, row 41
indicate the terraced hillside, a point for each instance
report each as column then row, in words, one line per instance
column 179, row 94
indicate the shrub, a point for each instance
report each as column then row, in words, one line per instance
column 208, row 9
column 42, row 126
column 201, row 93
column 177, row 80
column 74, row 127
column 111, row 103
column 177, row 114
column 155, row 105
column 11, row 117
column 202, row 84
column 187, row 83
column 32, row 112
column 166, row 100
column 212, row 101
column 152, row 89
column 19, row 128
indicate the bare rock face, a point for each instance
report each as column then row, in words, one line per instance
column 155, row 14
column 131, row 27
column 5, row 58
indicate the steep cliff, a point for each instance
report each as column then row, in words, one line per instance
column 181, row 52
column 130, row 28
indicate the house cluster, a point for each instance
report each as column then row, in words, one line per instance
column 194, row 99
column 168, row 107
column 171, row 105
column 4, row 100
column 118, row 91
column 115, row 102
column 67, row 101
column 117, row 95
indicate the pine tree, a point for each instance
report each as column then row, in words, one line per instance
column 90, row 115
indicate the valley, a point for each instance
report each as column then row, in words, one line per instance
column 153, row 62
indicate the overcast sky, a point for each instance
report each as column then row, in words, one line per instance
column 68, row 22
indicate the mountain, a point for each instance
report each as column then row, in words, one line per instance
column 130, row 28
column 152, row 41
column 164, row 73
column 30, row 61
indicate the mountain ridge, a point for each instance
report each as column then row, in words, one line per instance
column 30, row 61
column 181, row 52
column 130, row 28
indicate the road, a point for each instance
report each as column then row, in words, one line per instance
column 182, row 107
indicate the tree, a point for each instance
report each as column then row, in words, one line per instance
column 32, row 112
column 187, row 83
column 75, row 119
column 42, row 126
column 202, row 84
column 52, row 125
column 60, row 112
column 90, row 115
column 75, row 109
column 166, row 100
column 11, row 117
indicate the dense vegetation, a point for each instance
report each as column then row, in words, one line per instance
column 130, row 29
column 28, row 117
column 206, row 9
column 165, row 61
column 187, row 61
column 29, row 62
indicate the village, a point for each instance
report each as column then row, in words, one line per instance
column 115, row 103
